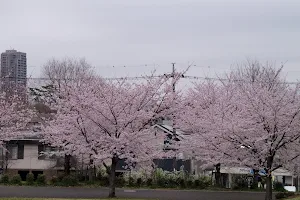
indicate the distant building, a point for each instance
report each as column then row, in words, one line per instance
column 13, row 70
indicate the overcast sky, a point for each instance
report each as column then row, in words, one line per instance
column 136, row 33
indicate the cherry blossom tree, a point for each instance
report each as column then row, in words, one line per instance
column 15, row 120
column 251, row 119
column 112, row 120
column 58, row 75
column 14, row 117
column 66, row 71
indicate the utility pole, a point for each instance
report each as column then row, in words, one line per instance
column 174, row 90
column 173, row 75
column 174, row 129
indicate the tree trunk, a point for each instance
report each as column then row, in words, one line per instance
column 268, row 188
column 67, row 165
column 218, row 175
column 94, row 172
column 90, row 174
column 91, row 171
column 255, row 179
column 269, row 195
column 174, row 164
column 6, row 162
column 112, row 178
column 86, row 173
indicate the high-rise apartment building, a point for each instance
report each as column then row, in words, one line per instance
column 13, row 70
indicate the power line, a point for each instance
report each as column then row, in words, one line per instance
column 130, row 66
column 135, row 78
column 105, row 78
column 224, row 79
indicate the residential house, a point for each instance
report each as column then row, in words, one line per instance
column 25, row 155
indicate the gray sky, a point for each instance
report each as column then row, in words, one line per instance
column 135, row 33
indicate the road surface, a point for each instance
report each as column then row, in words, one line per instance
column 79, row 192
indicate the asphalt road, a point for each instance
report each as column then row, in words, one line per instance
column 75, row 192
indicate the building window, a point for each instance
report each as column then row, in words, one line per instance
column 1, row 154
column 46, row 152
column 15, row 151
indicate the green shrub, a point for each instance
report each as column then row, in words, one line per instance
column 60, row 177
column 82, row 178
column 69, row 181
column 149, row 182
column 161, row 182
column 283, row 195
column 54, row 180
column 290, row 194
column 41, row 179
column 88, row 182
column 101, row 174
column 160, row 177
column 181, row 183
column 172, row 183
column 131, row 182
column 240, row 182
column 279, row 187
column 139, row 182
column 202, row 182
column 190, row 183
column 280, row 195
column 120, row 181
column 16, row 180
column 197, row 183
column 104, row 181
column 30, row 179
column 5, row 179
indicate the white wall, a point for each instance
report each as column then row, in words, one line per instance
column 31, row 160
